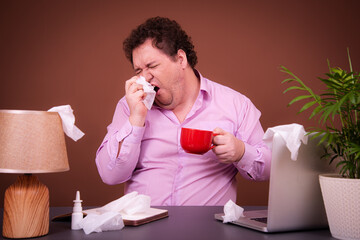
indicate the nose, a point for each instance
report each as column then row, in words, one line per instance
column 147, row 75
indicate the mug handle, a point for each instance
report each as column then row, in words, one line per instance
column 212, row 146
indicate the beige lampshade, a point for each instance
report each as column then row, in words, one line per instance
column 32, row 142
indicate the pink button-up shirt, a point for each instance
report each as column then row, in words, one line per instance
column 152, row 162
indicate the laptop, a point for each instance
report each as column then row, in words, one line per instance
column 295, row 201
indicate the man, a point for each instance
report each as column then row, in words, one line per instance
column 142, row 147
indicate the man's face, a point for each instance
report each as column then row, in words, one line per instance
column 161, row 71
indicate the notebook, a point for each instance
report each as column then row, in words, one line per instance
column 295, row 200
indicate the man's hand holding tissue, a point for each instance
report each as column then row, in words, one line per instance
column 134, row 94
column 228, row 148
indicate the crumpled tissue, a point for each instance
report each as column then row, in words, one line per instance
column 104, row 222
column 293, row 135
column 149, row 90
column 109, row 217
column 232, row 212
column 68, row 121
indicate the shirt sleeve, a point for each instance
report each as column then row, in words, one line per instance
column 255, row 163
column 114, row 168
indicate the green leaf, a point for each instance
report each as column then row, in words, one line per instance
column 316, row 111
column 318, row 134
column 326, row 113
column 287, row 80
column 294, row 88
column 337, row 70
column 307, row 105
column 350, row 65
column 324, row 138
column 300, row 98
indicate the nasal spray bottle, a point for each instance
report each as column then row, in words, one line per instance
column 77, row 214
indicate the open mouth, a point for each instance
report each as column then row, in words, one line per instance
column 156, row 89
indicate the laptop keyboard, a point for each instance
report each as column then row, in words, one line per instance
column 262, row 219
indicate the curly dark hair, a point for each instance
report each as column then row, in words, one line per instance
column 167, row 35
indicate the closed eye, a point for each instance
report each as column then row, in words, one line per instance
column 153, row 66
column 138, row 71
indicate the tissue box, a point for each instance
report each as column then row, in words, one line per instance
column 137, row 219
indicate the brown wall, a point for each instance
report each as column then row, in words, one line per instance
column 70, row 52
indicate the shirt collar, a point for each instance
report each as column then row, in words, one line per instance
column 204, row 86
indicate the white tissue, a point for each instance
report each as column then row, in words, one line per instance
column 109, row 217
column 292, row 134
column 139, row 204
column 100, row 223
column 68, row 121
column 129, row 204
column 149, row 90
column 232, row 212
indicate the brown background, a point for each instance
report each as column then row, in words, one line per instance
column 70, row 52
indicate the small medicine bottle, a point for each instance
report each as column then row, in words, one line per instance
column 77, row 214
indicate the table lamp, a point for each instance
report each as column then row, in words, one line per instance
column 31, row 142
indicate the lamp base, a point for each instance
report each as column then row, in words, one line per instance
column 26, row 208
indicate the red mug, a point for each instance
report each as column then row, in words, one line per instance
column 196, row 141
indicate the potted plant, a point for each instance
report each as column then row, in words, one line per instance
column 338, row 111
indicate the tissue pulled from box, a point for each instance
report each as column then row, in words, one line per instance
column 68, row 121
column 232, row 212
column 109, row 217
column 149, row 90
column 129, row 204
column 293, row 135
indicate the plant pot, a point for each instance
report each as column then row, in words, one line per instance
column 342, row 204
